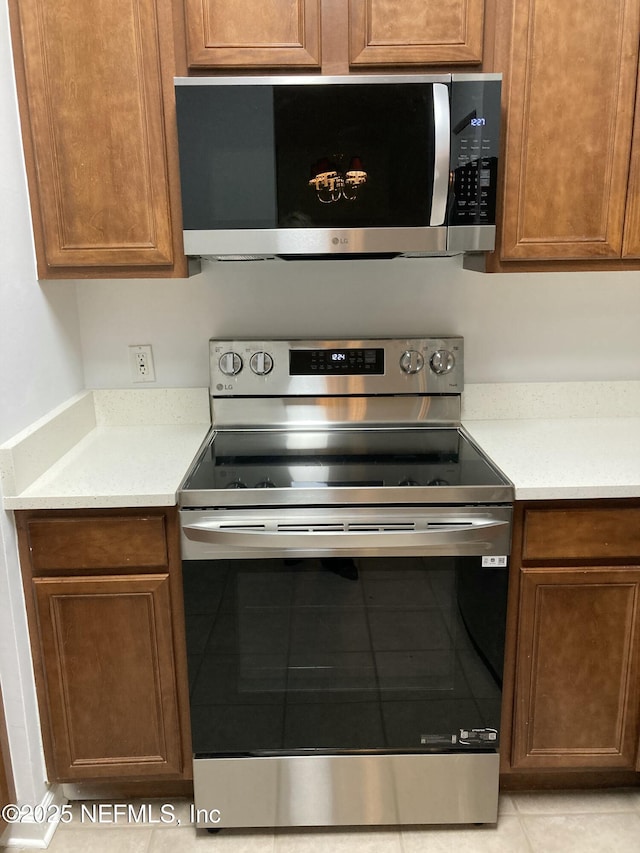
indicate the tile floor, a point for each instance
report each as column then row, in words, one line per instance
column 558, row 822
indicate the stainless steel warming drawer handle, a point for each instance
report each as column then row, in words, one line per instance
column 357, row 535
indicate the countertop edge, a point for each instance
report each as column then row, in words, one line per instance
column 149, row 438
column 92, row 502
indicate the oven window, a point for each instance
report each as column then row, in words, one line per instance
column 342, row 655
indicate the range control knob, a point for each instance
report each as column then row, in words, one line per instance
column 230, row 363
column 261, row 363
column 442, row 361
column 411, row 361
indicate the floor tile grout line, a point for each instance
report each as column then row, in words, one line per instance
column 150, row 841
column 523, row 827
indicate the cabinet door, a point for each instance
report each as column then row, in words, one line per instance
column 570, row 79
column 415, row 32
column 253, row 33
column 577, row 669
column 107, row 654
column 93, row 123
column 631, row 246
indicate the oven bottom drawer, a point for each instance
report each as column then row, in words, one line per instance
column 353, row 790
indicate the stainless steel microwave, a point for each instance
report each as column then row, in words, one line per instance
column 338, row 167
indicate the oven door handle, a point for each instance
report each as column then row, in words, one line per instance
column 482, row 533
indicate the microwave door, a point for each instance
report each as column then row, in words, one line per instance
column 442, row 133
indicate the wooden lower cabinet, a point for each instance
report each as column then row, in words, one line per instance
column 108, row 643
column 575, row 656
column 577, row 679
column 107, row 654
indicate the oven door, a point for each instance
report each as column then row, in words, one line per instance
column 350, row 662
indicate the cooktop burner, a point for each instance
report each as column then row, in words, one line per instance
column 337, row 459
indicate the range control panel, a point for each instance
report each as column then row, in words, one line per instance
column 431, row 365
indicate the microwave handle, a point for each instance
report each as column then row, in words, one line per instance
column 442, row 134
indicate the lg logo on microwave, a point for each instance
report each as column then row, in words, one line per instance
column 340, row 241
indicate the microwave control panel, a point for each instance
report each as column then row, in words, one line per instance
column 475, row 145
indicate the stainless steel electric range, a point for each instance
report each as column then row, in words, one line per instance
column 345, row 556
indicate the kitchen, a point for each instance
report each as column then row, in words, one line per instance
column 62, row 337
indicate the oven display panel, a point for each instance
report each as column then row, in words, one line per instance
column 344, row 361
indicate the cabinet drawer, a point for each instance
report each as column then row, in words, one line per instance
column 557, row 534
column 118, row 542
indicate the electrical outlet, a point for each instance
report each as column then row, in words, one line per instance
column 141, row 363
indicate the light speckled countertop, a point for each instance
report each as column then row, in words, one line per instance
column 564, row 458
column 560, row 440
column 106, row 449
column 133, row 447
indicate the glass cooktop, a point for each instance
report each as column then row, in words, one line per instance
column 315, row 460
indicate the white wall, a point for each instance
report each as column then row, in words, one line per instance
column 516, row 327
column 40, row 366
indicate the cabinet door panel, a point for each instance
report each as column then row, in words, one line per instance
column 253, row 33
column 414, row 32
column 107, row 655
column 577, row 669
column 95, row 109
column 631, row 247
column 570, row 99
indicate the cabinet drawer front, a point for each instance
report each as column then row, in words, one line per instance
column 97, row 543
column 582, row 534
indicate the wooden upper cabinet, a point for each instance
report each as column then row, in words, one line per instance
column 93, row 114
column 631, row 244
column 569, row 93
column 332, row 35
column 253, row 33
column 415, row 32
